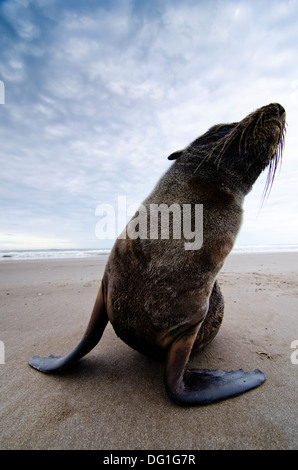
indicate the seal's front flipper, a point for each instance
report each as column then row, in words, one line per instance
column 94, row 331
column 201, row 387
column 49, row 364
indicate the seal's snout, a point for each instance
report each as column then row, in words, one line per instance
column 279, row 114
column 275, row 129
column 281, row 109
column 273, row 111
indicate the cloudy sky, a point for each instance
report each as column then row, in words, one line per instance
column 99, row 93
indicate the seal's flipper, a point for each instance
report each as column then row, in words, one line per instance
column 94, row 331
column 201, row 387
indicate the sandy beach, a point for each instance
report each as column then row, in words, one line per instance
column 115, row 397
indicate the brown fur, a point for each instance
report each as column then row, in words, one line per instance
column 156, row 289
column 162, row 297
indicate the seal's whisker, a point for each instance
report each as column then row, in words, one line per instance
column 229, row 139
column 259, row 122
column 250, row 129
column 241, row 139
column 201, row 162
column 276, row 160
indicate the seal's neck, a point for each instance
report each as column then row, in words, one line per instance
column 222, row 178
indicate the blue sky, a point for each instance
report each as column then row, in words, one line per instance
column 99, row 93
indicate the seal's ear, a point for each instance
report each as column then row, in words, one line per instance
column 175, row 155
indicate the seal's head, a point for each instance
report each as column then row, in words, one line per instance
column 240, row 151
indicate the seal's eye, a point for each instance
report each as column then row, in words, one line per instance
column 224, row 130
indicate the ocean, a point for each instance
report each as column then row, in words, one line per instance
column 91, row 253
column 52, row 254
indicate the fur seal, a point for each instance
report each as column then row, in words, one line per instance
column 163, row 299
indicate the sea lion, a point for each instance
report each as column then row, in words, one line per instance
column 164, row 299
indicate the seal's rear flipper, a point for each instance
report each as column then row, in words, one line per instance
column 201, row 387
column 95, row 329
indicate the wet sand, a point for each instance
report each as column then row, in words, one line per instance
column 115, row 398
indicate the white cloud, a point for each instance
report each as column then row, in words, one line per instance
column 97, row 96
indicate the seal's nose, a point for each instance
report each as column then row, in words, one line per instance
column 281, row 109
